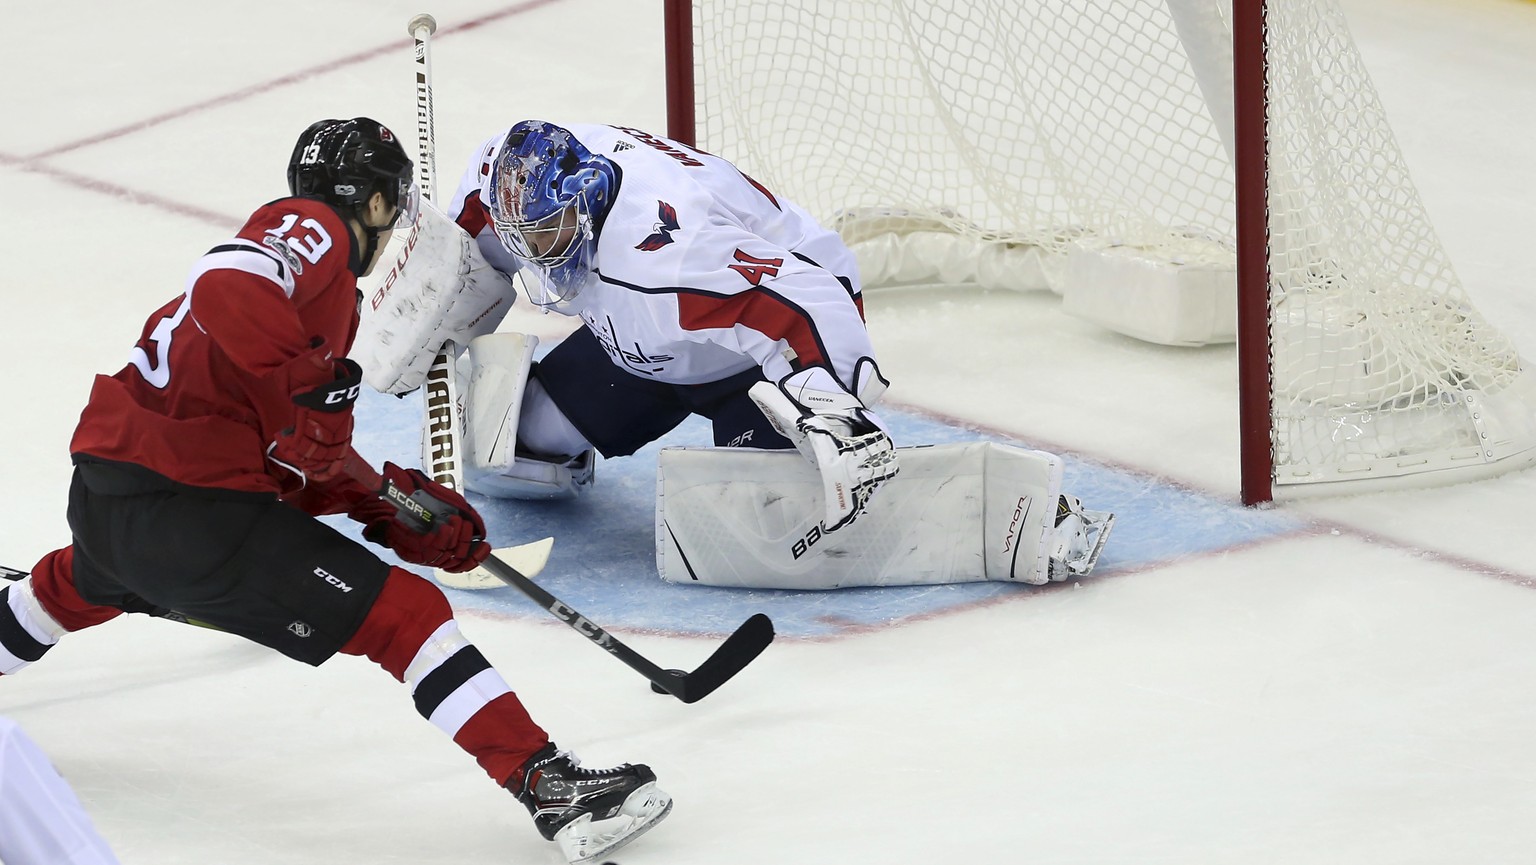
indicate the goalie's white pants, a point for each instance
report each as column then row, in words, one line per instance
column 41, row 820
column 955, row 513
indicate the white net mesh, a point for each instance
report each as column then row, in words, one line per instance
column 1379, row 357
column 941, row 115
column 1067, row 125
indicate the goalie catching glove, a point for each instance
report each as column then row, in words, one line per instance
column 456, row 540
column 835, row 432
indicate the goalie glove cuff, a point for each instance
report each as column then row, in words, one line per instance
column 851, row 467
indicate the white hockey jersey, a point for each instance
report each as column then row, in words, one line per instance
column 699, row 272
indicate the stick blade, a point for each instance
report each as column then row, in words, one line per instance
column 739, row 649
column 529, row 559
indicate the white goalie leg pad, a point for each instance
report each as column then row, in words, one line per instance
column 532, row 478
column 1021, row 496
column 498, row 374
column 438, row 288
column 955, row 513
column 498, row 379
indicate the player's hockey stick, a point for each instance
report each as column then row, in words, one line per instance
column 442, row 431
column 739, row 649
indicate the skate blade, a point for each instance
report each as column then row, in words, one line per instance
column 1103, row 535
column 1098, row 525
column 584, row 841
column 1105, row 521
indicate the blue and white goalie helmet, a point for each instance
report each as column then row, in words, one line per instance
column 548, row 196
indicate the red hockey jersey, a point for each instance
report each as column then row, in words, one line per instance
column 210, row 382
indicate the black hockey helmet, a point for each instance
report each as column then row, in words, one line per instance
column 343, row 162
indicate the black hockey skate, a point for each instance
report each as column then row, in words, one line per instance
column 589, row 812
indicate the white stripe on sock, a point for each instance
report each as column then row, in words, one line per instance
column 30, row 613
column 10, row 664
column 439, row 647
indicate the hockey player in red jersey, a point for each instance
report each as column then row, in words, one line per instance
column 201, row 465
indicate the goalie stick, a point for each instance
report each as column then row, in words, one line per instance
column 442, row 430
column 420, row 511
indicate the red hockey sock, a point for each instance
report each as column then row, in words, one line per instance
column 53, row 581
column 39, row 609
column 411, row 633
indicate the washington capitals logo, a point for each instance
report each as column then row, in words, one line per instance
column 666, row 216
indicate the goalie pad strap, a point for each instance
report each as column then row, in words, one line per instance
column 955, row 513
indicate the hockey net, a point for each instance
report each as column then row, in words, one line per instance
column 1087, row 147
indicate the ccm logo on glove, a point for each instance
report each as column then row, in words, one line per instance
column 338, row 395
column 321, row 435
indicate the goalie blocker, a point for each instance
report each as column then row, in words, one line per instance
column 438, row 288
column 955, row 513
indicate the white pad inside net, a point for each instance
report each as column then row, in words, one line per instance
column 1084, row 146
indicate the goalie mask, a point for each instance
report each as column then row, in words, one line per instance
column 548, row 196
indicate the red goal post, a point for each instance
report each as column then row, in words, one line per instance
column 1186, row 172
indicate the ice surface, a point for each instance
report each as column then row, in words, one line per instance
column 1336, row 681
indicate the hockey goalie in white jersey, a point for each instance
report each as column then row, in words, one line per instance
column 702, row 293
